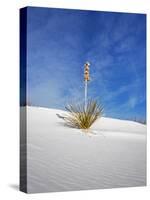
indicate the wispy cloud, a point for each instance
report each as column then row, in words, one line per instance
column 60, row 41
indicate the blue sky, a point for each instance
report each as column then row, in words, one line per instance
column 60, row 41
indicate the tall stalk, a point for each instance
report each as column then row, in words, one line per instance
column 85, row 94
column 86, row 79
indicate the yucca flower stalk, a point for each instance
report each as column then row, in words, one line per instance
column 86, row 79
column 81, row 118
column 83, row 115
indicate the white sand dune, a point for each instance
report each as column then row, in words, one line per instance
column 61, row 158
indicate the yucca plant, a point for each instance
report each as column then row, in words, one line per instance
column 81, row 118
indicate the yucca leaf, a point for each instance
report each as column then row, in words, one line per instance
column 80, row 118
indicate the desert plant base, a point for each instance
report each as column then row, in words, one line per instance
column 81, row 118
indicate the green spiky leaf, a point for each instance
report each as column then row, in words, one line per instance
column 82, row 118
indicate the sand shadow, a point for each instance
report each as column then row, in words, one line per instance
column 65, row 124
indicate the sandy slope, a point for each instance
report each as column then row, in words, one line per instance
column 62, row 158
